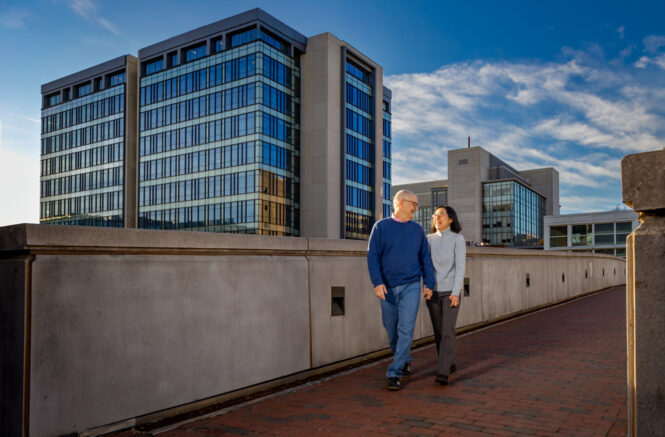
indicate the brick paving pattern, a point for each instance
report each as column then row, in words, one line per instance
column 558, row 372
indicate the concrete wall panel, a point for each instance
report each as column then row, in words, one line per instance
column 121, row 336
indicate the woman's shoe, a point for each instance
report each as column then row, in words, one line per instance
column 442, row 379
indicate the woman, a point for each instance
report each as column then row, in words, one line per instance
column 448, row 251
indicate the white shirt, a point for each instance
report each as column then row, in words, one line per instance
column 448, row 251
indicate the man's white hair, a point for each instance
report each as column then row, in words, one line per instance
column 401, row 194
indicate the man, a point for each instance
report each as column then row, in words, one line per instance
column 397, row 258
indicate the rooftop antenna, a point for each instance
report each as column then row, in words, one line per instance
column 468, row 144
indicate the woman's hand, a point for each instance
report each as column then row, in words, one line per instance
column 454, row 300
column 427, row 293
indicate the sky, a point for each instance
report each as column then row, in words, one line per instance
column 567, row 84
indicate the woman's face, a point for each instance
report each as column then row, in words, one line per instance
column 441, row 219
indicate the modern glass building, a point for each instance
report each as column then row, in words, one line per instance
column 512, row 214
column 496, row 204
column 345, row 175
column 387, row 153
column 360, row 145
column 219, row 131
column 88, row 130
column 231, row 133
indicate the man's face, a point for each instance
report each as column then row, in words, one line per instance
column 409, row 205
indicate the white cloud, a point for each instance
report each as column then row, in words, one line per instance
column 653, row 43
column 87, row 9
column 621, row 31
column 645, row 61
column 580, row 115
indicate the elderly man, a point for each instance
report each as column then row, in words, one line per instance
column 398, row 256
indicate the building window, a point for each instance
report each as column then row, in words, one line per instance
column 623, row 229
column 196, row 52
column 423, row 217
column 243, row 37
column 358, row 72
column 218, row 45
column 274, row 41
column 386, row 149
column 558, row 236
column 172, row 59
column 582, row 235
column 603, row 234
column 53, row 99
column 84, row 90
column 154, row 66
column 439, row 196
column 117, row 79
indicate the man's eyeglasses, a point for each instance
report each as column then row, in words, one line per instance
column 411, row 201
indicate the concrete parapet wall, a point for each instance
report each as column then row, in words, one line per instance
column 112, row 324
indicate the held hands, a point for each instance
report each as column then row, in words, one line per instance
column 427, row 293
column 380, row 291
column 454, row 300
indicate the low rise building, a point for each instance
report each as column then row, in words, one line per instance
column 597, row 232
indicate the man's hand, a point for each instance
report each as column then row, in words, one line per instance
column 454, row 300
column 380, row 291
column 427, row 293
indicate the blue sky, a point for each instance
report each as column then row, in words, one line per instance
column 574, row 85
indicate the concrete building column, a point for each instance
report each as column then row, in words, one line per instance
column 569, row 235
column 643, row 183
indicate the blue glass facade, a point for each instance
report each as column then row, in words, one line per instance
column 360, row 149
column 219, row 138
column 512, row 214
column 82, row 153
column 387, row 158
column 203, row 134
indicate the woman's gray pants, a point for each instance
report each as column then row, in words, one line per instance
column 443, row 321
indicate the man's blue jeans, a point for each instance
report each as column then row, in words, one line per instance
column 399, row 312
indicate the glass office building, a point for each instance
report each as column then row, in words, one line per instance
column 84, row 141
column 387, row 153
column 219, row 135
column 512, row 214
column 359, row 156
column 205, row 132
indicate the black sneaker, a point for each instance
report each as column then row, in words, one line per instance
column 393, row 384
column 441, row 379
column 406, row 370
column 453, row 368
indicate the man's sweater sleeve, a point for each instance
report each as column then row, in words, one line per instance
column 426, row 262
column 374, row 256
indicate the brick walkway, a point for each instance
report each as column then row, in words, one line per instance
column 559, row 372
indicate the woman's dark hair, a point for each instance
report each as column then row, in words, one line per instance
column 455, row 226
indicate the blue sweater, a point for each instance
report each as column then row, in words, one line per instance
column 398, row 254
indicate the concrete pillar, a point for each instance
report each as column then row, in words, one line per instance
column 643, row 183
